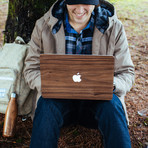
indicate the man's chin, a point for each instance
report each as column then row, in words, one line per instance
column 80, row 21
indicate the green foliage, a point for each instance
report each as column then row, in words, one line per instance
column 76, row 133
column 145, row 122
column 19, row 140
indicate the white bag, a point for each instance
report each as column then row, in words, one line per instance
column 12, row 56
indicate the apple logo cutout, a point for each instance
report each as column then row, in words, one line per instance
column 77, row 77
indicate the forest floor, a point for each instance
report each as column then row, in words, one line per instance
column 134, row 15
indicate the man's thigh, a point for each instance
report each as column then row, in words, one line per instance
column 60, row 109
column 90, row 109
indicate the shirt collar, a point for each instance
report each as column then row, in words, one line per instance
column 70, row 29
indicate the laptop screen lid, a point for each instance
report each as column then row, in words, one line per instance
column 77, row 76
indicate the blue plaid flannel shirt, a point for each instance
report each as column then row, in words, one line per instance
column 79, row 43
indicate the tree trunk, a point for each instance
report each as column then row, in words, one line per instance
column 22, row 15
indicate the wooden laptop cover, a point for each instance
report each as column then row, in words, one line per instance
column 58, row 71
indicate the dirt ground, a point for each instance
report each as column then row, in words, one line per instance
column 135, row 20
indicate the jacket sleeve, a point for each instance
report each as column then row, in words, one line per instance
column 32, row 61
column 124, row 68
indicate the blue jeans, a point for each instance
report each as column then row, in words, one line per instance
column 107, row 116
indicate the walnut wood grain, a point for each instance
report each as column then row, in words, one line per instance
column 96, row 74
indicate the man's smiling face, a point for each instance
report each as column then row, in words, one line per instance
column 79, row 14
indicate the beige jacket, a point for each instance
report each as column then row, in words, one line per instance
column 112, row 42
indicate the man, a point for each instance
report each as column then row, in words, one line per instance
column 80, row 27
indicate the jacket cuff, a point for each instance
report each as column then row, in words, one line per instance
column 37, row 83
column 119, row 90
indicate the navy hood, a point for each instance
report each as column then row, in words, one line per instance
column 102, row 14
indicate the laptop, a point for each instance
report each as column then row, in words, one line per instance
column 87, row 77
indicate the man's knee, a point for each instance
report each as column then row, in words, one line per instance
column 110, row 109
column 113, row 105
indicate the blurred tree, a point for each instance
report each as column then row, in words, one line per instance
column 22, row 15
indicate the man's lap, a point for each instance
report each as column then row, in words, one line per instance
column 77, row 111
